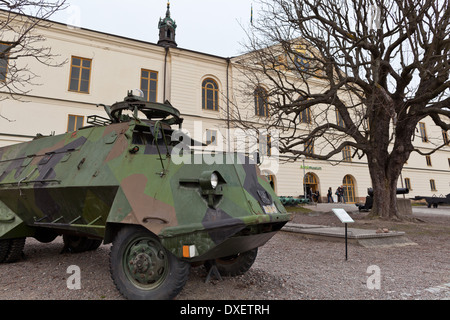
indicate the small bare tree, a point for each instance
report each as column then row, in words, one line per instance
column 351, row 75
column 20, row 41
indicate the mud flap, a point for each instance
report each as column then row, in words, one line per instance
column 11, row 226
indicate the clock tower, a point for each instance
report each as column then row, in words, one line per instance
column 167, row 28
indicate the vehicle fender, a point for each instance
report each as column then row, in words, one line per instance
column 11, row 226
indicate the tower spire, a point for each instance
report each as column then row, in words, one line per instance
column 167, row 28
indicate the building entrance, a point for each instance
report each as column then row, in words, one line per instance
column 312, row 187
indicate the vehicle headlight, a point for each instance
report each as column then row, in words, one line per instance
column 209, row 180
column 214, row 180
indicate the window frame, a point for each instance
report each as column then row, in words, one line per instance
column 260, row 95
column 76, row 119
column 408, row 183
column 305, row 116
column 265, row 145
column 215, row 94
column 148, row 90
column 445, row 137
column 423, row 132
column 81, row 68
column 428, row 160
column 433, row 185
column 339, row 119
column 3, row 79
column 309, row 149
column 210, row 133
column 347, row 154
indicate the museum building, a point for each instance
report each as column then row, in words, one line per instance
column 101, row 68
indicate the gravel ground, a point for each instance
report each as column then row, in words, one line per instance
column 288, row 267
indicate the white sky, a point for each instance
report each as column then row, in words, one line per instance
column 210, row 26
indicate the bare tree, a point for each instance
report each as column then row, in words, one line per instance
column 352, row 75
column 20, row 41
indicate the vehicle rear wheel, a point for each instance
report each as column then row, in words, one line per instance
column 11, row 249
column 238, row 264
column 142, row 268
column 4, row 249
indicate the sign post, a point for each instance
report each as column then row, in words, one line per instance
column 345, row 218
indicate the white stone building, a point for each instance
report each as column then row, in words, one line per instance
column 101, row 68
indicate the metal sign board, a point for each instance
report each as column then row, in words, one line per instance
column 343, row 215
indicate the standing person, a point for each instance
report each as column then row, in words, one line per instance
column 341, row 192
column 338, row 194
column 330, row 195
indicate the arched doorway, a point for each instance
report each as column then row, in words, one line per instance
column 348, row 184
column 311, row 185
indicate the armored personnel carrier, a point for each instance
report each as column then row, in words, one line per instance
column 116, row 181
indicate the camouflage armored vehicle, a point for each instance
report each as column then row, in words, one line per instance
column 115, row 181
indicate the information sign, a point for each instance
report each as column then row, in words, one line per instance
column 343, row 215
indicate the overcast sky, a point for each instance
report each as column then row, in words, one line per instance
column 209, row 26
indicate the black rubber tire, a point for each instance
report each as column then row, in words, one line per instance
column 4, row 249
column 166, row 274
column 236, row 265
column 11, row 250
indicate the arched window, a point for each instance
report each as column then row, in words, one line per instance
column 261, row 107
column 349, row 189
column 210, row 95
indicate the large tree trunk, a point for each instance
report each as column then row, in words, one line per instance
column 384, row 195
column 385, row 170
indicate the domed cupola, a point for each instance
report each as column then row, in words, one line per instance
column 167, row 28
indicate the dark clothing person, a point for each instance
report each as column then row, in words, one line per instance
column 330, row 195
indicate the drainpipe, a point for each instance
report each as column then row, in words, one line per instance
column 165, row 72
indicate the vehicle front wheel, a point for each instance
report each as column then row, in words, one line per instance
column 142, row 269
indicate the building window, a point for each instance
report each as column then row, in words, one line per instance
column 347, row 154
column 349, row 189
column 74, row 122
column 309, row 148
column 261, row 106
column 80, row 75
column 149, row 84
column 428, row 158
column 264, row 145
column 423, row 132
column 210, row 95
column 271, row 180
column 211, row 137
column 445, row 137
column 408, row 184
column 305, row 116
column 4, row 59
column 339, row 120
column 432, row 185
